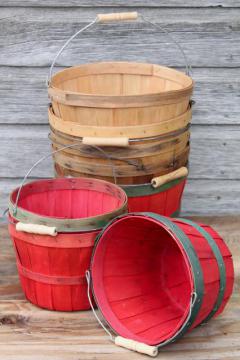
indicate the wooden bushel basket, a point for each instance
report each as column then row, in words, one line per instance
column 53, row 225
column 117, row 94
column 139, row 114
column 155, row 278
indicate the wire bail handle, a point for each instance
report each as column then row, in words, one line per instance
column 111, row 336
column 102, row 18
column 51, row 154
column 88, row 278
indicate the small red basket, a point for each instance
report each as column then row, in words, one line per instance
column 53, row 229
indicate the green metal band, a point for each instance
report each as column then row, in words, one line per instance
column 176, row 214
column 67, row 225
column 196, row 271
column 221, row 266
column 148, row 189
column 193, row 260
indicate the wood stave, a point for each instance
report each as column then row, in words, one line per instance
column 121, row 116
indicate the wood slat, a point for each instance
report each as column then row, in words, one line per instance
column 211, row 197
column 117, row 3
column 37, row 34
column 23, row 96
column 181, row 19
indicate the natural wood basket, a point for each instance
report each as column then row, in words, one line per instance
column 119, row 94
column 132, row 116
column 137, row 163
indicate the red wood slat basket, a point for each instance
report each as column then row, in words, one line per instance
column 154, row 278
column 52, row 268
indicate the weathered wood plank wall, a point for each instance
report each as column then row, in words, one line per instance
column 209, row 30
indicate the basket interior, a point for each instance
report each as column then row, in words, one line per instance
column 119, row 79
column 141, row 280
column 68, row 203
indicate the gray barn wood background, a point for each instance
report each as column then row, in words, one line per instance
column 32, row 31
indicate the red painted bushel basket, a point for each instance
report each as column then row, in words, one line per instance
column 165, row 199
column 154, row 278
column 53, row 229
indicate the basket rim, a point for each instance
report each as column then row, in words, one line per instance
column 65, row 224
column 55, row 91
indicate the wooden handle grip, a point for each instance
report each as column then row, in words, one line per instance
column 161, row 180
column 36, row 229
column 100, row 141
column 136, row 346
column 117, row 16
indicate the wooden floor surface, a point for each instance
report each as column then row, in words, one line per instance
column 28, row 333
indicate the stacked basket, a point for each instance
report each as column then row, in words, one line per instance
column 131, row 121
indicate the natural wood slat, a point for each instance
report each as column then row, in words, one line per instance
column 37, row 34
column 117, row 3
column 183, row 19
